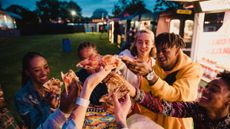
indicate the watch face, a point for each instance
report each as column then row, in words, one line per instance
column 150, row 76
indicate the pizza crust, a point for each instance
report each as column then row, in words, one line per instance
column 53, row 86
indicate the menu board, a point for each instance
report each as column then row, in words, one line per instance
column 214, row 50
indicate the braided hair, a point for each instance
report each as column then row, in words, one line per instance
column 169, row 40
column 84, row 45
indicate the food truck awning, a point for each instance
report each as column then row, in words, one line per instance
column 182, row 0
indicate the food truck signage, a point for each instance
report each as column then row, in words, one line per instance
column 183, row 11
column 214, row 5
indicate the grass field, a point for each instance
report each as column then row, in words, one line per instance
column 13, row 49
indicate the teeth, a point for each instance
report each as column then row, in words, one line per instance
column 203, row 97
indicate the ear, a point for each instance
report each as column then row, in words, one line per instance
column 177, row 51
column 227, row 102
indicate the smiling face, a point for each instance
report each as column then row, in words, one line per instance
column 167, row 57
column 38, row 70
column 215, row 96
column 144, row 44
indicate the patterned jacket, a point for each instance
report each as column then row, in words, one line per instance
column 184, row 110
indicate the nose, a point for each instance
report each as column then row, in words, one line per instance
column 44, row 72
column 159, row 53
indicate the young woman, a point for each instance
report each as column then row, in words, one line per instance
column 143, row 49
column 32, row 102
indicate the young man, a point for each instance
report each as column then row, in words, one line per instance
column 174, row 78
column 211, row 111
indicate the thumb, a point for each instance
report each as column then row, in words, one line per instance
column 115, row 99
column 127, row 98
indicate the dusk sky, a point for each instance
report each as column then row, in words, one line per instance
column 88, row 6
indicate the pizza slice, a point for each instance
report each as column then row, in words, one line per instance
column 53, row 86
column 110, row 60
column 68, row 78
column 115, row 83
column 95, row 62
column 91, row 63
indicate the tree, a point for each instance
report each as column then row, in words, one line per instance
column 99, row 13
column 162, row 5
column 53, row 10
column 127, row 7
column 27, row 15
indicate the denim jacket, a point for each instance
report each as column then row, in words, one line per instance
column 32, row 108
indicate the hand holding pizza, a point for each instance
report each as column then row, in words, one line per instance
column 67, row 102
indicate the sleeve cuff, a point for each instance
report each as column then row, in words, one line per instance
column 158, row 84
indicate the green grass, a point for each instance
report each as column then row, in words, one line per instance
column 13, row 49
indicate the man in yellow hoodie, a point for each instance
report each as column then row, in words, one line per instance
column 174, row 78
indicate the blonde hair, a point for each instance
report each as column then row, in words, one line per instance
column 133, row 48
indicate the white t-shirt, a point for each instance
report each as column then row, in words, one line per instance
column 131, row 77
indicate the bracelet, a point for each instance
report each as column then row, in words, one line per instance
column 82, row 102
column 136, row 97
column 139, row 95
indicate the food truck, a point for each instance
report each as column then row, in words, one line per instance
column 211, row 37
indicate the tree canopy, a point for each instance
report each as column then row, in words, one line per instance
column 99, row 13
column 53, row 10
column 162, row 5
column 127, row 7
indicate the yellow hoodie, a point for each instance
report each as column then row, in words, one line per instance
column 185, row 88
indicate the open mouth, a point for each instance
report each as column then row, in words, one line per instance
column 204, row 99
column 44, row 78
column 162, row 61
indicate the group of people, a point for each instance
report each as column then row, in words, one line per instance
column 162, row 82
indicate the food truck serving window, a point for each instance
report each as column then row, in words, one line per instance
column 174, row 26
column 213, row 21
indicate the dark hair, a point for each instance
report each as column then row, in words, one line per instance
column 226, row 77
column 85, row 45
column 133, row 48
column 26, row 64
column 169, row 40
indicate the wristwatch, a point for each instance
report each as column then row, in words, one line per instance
column 150, row 76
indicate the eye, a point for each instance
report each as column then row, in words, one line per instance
column 164, row 50
column 47, row 67
column 36, row 70
column 147, row 42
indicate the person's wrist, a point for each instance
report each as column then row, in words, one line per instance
column 82, row 102
column 151, row 77
column 86, row 91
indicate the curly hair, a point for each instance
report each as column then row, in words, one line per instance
column 169, row 40
column 225, row 76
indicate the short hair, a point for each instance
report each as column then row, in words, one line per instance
column 133, row 48
column 225, row 76
column 85, row 45
column 169, row 40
